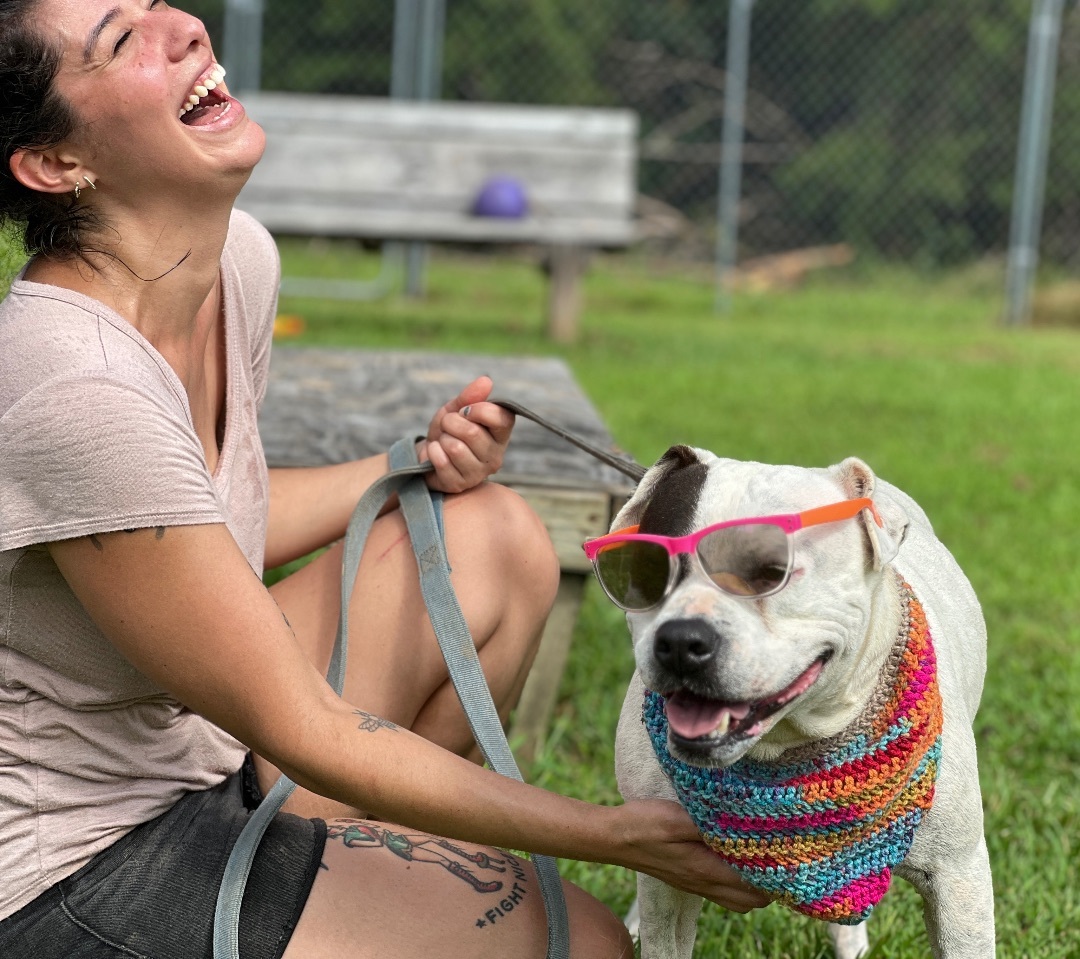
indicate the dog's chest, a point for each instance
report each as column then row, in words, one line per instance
column 822, row 829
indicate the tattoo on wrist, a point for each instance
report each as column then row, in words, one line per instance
column 372, row 723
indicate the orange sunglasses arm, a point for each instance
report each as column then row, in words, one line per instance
column 839, row 511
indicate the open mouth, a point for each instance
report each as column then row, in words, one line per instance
column 208, row 100
column 696, row 720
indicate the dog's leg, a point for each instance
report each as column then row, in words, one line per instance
column 668, row 920
column 958, row 906
column 849, row 942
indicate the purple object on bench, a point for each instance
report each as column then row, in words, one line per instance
column 502, row 197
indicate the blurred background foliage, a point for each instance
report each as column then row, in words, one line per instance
column 890, row 126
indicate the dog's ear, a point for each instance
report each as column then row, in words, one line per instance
column 676, row 458
column 857, row 479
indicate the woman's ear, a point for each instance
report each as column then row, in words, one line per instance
column 45, row 171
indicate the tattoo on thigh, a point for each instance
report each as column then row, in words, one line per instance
column 484, row 873
column 372, row 723
column 96, row 543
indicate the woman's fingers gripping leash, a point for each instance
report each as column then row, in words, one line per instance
column 467, row 439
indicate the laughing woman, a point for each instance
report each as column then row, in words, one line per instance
column 150, row 686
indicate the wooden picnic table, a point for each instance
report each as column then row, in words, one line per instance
column 327, row 405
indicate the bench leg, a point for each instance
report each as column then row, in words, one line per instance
column 566, row 265
column 416, row 259
column 541, row 690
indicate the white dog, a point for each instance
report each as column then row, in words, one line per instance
column 808, row 693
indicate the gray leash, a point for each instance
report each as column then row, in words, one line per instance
column 459, row 651
column 627, row 467
column 418, row 508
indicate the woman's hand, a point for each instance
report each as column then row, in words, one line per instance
column 466, row 439
column 666, row 844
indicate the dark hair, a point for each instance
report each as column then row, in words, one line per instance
column 35, row 116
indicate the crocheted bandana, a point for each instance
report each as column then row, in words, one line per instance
column 820, row 829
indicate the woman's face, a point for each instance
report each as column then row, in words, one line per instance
column 129, row 68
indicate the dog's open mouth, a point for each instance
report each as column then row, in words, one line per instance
column 695, row 719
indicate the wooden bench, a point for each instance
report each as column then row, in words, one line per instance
column 397, row 170
column 330, row 405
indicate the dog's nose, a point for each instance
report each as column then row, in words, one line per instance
column 684, row 646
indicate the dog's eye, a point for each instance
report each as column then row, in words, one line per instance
column 767, row 576
column 753, row 580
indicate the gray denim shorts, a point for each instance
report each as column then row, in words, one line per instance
column 151, row 895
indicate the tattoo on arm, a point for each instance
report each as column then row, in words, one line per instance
column 159, row 533
column 371, row 723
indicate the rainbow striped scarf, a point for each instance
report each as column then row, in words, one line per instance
column 821, row 828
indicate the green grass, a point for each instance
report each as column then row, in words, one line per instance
column 914, row 375
column 11, row 258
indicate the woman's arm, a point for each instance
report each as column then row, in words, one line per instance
column 186, row 609
column 310, row 508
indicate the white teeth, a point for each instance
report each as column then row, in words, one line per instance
column 211, row 82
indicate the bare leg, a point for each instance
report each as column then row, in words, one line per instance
column 505, row 574
column 386, row 892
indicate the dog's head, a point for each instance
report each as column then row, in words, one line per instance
column 734, row 668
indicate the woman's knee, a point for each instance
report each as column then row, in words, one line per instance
column 595, row 931
column 493, row 526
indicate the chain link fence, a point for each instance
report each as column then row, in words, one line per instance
column 888, row 126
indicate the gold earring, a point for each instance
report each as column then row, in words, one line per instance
column 78, row 191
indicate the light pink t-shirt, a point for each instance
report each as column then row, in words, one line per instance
column 96, row 436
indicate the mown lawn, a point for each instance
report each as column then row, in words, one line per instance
column 912, row 374
column 915, row 376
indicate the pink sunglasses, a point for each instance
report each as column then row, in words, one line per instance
column 744, row 557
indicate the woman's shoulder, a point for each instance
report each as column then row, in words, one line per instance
column 49, row 334
column 251, row 260
column 248, row 237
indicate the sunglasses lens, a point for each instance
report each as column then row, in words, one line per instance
column 750, row 560
column 633, row 574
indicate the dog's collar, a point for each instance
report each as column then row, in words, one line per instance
column 821, row 829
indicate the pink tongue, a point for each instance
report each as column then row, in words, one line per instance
column 200, row 116
column 692, row 717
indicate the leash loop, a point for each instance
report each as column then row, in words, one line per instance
column 418, row 505
column 238, row 867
